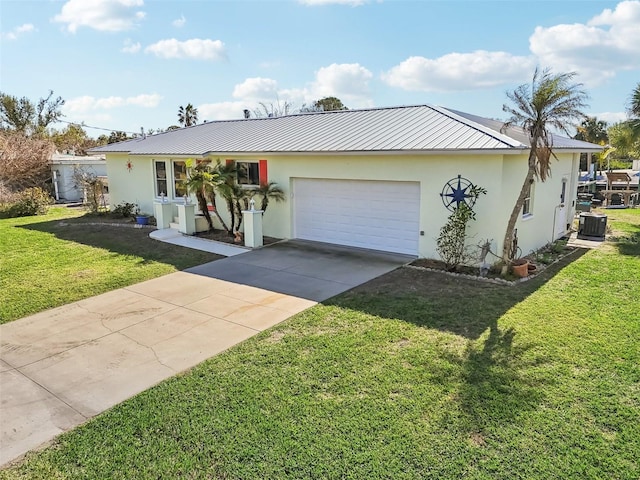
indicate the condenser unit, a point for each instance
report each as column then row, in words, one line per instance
column 592, row 225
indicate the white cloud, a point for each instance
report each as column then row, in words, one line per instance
column 103, row 15
column 459, row 71
column 130, row 47
column 256, row 89
column 88, row 103
column 610, row 117
column 313, row 3
column 196, row 48
column 347, row 81
column 597, row 49
column 18, row 31
column 223, row 110
column 179, row 22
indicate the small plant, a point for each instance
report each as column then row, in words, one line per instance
column 126, row 209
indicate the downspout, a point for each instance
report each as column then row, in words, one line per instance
column 55, row 185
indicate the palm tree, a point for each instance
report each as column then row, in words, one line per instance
column 226, row 175
column 201, row 180
column 634, row 111
column 552, row 101
column 269, row 191
column 187, row 116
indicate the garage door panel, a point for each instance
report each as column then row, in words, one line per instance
column 367, row 214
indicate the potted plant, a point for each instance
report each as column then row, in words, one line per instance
column 141, row 217
column 520, row 267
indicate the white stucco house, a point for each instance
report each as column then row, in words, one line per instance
column 370, row 178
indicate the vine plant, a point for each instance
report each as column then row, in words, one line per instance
column 451, row 243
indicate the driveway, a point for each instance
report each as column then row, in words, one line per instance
column 61, row 367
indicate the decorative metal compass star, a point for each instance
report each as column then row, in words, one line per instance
column 456, row 191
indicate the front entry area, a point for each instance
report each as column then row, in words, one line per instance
column 376, row 215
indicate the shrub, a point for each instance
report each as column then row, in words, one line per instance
column 124, row 209
column 32, row 201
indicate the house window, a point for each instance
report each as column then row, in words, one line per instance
column 179, row 179
column 248, row 173
column 528, row 202
column 161, row 178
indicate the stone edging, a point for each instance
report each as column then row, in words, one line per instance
column 100, row 224
column 496, row 281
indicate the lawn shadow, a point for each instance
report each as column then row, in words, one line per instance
column 122, row 239
column 628, row 243
column 493, row 386
column 448, row 303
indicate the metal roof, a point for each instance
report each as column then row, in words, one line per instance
column 422, row 128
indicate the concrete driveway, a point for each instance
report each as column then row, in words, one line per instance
column 61, row 367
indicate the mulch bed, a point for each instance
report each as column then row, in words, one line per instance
column 223, row 236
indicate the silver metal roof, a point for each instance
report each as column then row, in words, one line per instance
column 421, row 128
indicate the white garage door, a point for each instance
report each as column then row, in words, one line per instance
column 368, row 214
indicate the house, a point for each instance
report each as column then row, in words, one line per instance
column 65, row 166
column 373, row 178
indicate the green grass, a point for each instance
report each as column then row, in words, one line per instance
column 415, row 375
column 51, row 260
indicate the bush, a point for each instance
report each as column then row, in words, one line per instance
column 32, row 201
column 124, row 209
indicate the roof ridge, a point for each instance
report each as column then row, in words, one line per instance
column 501, row 137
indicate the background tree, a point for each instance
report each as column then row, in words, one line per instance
column 279, row 109
column 634, row 111
column 594, row 131
column 73, row 138
column 23, row 115
column 325, row 104
column 187, row 116
column 118, row 136
column 24, row 161
column 623, row 138
column 551, row 101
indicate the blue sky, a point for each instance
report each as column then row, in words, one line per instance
column 127, row 64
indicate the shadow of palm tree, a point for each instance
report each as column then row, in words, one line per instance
column 434, row 300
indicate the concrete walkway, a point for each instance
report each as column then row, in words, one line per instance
column 61, row 367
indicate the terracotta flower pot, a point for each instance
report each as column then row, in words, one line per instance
column 520, row 269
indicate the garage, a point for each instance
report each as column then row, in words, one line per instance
column 378, row 215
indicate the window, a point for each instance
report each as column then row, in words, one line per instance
column 179, row 178
column 161, row 178
column 528, row 202
column 563, row 193
column 248, row 173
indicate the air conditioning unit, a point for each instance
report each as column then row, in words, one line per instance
column 592, row 225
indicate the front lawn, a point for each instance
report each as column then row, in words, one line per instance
column 50, row 260
column 413, row 375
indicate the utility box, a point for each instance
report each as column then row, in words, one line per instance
column 592, row 225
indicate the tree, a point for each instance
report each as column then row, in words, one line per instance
column 201, row 180
column 269, row 191
column 22, row 115
column 325, row 104
column 279, row 109
column 551, row 101
column 118, row 136
column 24, row 161
column 623, row 138
column 187, row 116
column 593, row 130
column 72, row 138
column 634, row 111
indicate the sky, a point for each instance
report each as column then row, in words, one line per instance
column 130, row 64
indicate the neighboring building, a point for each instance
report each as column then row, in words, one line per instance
column 366, row 178
column 64, row 167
